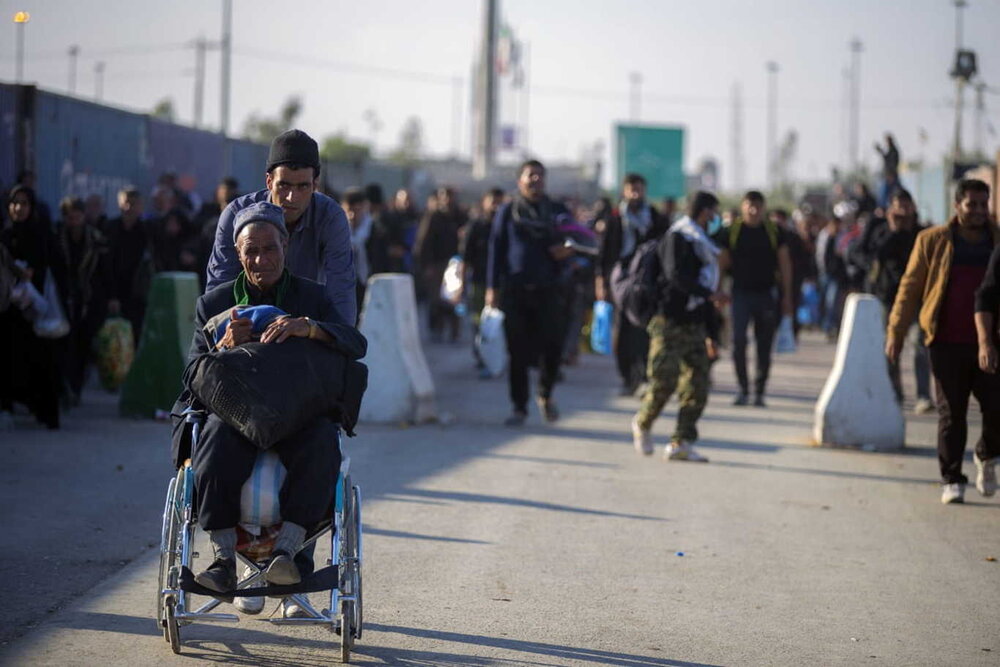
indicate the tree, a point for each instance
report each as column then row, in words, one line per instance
column 338, row 148
column 411, row 143
column 263, row 130
column 164, row 110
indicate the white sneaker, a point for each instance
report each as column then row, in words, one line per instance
column 986, row 475
column 249, row 605
column 923, row 406
column 289, row 609
column 643, row 440
column 682, row 451
column 952, row 493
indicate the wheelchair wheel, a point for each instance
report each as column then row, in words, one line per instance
column 347, row 624
column 171, row 630
column 356, row 552
column 168, row 554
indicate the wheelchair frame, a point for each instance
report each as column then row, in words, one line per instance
column 344, row 615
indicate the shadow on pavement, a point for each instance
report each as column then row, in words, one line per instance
column 462, row 496
column 372, row 530
column 823, row 473
column 550, row 650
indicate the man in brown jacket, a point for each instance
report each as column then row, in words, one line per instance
column 946, row 267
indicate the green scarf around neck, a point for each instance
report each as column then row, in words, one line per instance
column 242, row 294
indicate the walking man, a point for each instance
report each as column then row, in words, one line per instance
column 525, row 252
column 755, row 252
column 939, row 288
column 683, row 332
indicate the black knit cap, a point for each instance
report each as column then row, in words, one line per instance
column 293, row 147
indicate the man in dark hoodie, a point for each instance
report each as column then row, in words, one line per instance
column 525, row 253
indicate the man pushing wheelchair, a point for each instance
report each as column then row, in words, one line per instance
column 237, row 323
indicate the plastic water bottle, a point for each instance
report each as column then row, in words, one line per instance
column 461, row 310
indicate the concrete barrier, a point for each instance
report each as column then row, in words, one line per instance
column 154, row 380
column 858, row 405
column 400, row 386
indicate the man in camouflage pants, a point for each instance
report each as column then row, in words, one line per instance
column 684, row 330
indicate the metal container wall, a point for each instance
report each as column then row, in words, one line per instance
column 8, row 136
column 196, row 156
column 83, row 148
column 248, row 162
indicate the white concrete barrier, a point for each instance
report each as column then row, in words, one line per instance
column 400, row 386
column 858, row 405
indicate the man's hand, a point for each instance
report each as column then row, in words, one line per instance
column 240, row 331
column 397, row 251
column 712, row 349
column 560, row 252
column 893, row 348
column 987, row 357
column 491, row 297
column 284, row 328
column 600, row 293
column 720, row 299
column 787, row 307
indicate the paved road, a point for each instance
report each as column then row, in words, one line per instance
column 546, row 546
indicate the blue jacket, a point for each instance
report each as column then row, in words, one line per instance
column 319, row 249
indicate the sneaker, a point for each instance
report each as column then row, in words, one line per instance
column 220, row 576
column 282, row 570
column 643, row 440
column 758, row 401
column 741, row 399
column 253, row 604
column 290, row 609
column 952, row 493
column 986, row 475
column 548, row 408
column 516, row 419
column 682, row 451
column 923, row 406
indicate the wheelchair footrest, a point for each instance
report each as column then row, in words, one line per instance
column 324, row 579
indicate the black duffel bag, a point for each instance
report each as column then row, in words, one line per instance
column 269, row 391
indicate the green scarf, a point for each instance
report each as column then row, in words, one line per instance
column 243, row 295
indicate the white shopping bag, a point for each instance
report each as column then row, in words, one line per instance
column 451, row 283
column 786, row 337
column 491, row 341
column 259, row 505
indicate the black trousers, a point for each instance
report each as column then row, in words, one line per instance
column 631, row 351
column 535, row 327
column 223, row 460
column 761, row 308
column 955, row 366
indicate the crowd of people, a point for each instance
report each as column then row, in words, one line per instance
column 542, row 260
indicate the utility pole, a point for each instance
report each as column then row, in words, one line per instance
column 482, row 163
column 635, row 96
column 226, row 45
column 980, row 120
column 456, row 114
column 853, row 133
column 74, row 54
column 20, row 20
column 99, row 80
column 200, row 46
column 960, row 82
column 737, row 137
column 772, row 123
column 525, row 97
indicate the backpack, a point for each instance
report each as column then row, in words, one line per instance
column 635, row 285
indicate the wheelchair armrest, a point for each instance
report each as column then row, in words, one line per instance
column 193, row 416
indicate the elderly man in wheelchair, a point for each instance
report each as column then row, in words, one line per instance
column 265, row 305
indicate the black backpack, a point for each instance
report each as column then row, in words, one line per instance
column 635, row 284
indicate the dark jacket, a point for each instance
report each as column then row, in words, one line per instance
column 885, row 254
column 520, row 239
column 476, row 249
column 988, row 294
column 679, row 268
column 304, row 298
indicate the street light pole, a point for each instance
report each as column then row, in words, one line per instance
column 635, row 96
column 855, row 120
column 772, row 122
column 99, row 80
column 200, row 46
column 226, row 47
column 74, row 53
column 20, row 20
column 960, row 82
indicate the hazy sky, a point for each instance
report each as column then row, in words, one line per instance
column 690, row 55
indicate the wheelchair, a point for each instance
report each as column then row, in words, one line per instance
column 175, row 606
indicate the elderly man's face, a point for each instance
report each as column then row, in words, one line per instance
column 262, row 254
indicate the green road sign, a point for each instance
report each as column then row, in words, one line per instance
column 655, row 152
